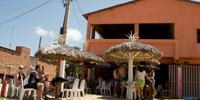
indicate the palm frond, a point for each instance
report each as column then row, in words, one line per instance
column 84, row 44
column 60, row 38
column 133, row 37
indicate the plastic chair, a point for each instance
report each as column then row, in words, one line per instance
column 103, row 87
column 98, row 87
column 81, row 89
column 22, row 90
column 87, row 88
column 73, row 90
column 108, row 88
column 134, row 91
column 13, row 89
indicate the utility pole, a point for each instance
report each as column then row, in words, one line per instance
column 63, row 31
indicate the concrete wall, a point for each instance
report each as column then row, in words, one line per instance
column 184, row 15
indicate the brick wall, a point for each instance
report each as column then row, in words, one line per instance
column 11, row 59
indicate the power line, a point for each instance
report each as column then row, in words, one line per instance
column 11, row 3
column 24, row 9
column 16, row 6
column 96, row 2
column 77, row 18
column 24, row 13
column 79, row 7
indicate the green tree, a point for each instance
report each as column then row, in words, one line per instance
column 73, row 67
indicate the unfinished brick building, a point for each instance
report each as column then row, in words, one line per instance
column 11, row 59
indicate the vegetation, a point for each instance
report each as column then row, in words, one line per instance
column 74, row 67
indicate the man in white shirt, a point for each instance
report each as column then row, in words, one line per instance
column 70, row 80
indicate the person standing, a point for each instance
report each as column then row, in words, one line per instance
column 152, row 75
column 140, row 81
column 32, row 81
column 116, row 82
column 123, row 74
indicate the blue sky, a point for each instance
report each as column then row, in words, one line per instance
column 45, row 21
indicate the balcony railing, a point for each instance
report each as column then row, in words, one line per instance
column 170, row 48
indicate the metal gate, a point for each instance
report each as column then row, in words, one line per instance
column 190, row 80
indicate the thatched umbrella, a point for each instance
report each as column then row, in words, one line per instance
column 93, row 64
column 87, row 65
column 59, row 52
column 104, row 65
column 90, row 59
column 154, row 67
column 147, row 63
column 131, row 52
column 55, row 51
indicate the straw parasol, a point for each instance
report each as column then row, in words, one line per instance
column 132, row 52
column 147, row 63
column 55, row 51
column 91, row 59
column 87, row 64
column 154, row 67
column 104, row 65
column 59, row 52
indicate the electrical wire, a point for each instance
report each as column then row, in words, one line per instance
column 24, row 9
column 23, row 4
column 25, row 13
column 76, row 17
column 96, row 2
column 11, row 3
column 79, row 7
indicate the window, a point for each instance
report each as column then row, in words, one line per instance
column 156, row 31
column 198, row 35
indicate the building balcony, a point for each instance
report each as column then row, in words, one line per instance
column 169, row 47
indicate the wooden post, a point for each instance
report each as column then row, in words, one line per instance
column 82, row 70
column 57, row 75
column 89, row 74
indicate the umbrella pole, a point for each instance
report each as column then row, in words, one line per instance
column 57, row 75
column 130, row 79
column 82, row 70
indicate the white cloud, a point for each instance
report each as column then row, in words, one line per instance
column 74, row 35
column 52, row 34
column 40, row 31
